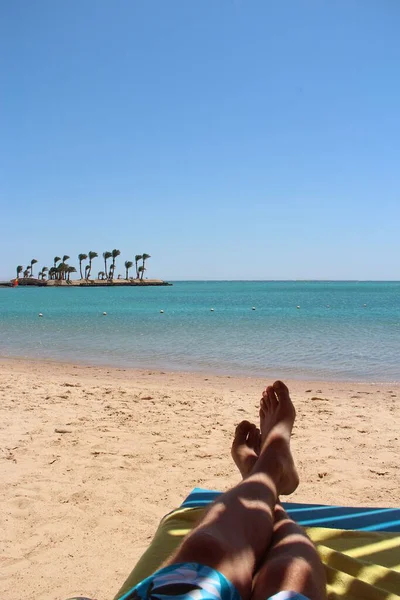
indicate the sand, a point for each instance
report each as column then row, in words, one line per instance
column 93, row 457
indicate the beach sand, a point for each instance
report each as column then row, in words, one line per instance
column 93, row 457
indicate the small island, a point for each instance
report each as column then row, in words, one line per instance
column 60, row 274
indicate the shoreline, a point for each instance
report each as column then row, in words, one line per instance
column 155, row 370
column 201, row 372
column 84, row 283
column 93, row 457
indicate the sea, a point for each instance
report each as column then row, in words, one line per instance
column 315, row 330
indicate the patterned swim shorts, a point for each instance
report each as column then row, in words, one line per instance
column 192, row 581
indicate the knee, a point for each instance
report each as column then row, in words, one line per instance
column 203, row 547
column 291, row 573
column 291, row 568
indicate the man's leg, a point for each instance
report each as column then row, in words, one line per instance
column 291, row 563
column 236, row 531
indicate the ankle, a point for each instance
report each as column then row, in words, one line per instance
column 272, row 460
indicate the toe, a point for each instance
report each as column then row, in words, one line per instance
column 280, row 388
column 286, row 407
column 265, row 408
column 262, row 416
column 252, row 438
column 258, row 443
column 272, row 399
column 281, row 391
column 242, row 431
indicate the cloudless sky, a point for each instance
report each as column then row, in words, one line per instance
column 229, row 139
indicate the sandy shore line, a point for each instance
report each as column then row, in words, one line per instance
column 79, row 508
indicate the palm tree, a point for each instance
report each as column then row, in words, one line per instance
column 70, row 270
column 106, row 256
column 33, row 262
column 141, row 270
column 52, row 272
column 56, row 260
column 114, row 255
column 20, row 268
column 128, row 265
column 26, row 273
column 91, row 255
column 65, row 258
column 87, row 272
column 61, row 270
column 144, row 258
column 42, row 273
column 81, row 258
column 100, row 275
column 137, row 258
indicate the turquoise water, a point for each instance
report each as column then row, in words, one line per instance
column 332, row 335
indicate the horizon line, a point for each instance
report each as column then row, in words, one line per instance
column 269, row 280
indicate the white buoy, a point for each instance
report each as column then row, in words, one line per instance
column 364, row 305
column 253, row 308
column 40, row 315
column 328, row 306
column 161, row 311
column 104, row 313
column 297, row 306
column 211, row 309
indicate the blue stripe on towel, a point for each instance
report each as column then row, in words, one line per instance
column 320, row 515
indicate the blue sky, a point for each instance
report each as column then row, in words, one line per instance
column 229, row 139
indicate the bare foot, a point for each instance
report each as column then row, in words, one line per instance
column 246, row 447
column 277, row 415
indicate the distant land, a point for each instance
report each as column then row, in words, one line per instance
column 60, row 273
column 31, row 281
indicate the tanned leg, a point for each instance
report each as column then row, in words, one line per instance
column 292, row 563
column 236, row 531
